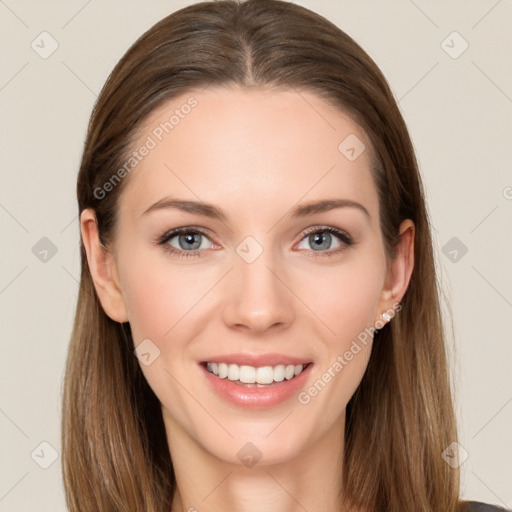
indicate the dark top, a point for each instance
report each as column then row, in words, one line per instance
column 476, row 506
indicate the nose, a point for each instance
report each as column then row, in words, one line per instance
column 258, row 299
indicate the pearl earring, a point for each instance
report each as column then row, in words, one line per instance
column 386, row 317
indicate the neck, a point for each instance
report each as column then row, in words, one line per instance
column 309, row 481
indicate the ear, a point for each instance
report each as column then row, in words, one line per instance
column 103, row 270
column 400, row 271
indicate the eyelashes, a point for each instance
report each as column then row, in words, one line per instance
column 181, row 232
column 344, row 238
column 193, row 236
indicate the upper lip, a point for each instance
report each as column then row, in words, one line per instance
column 257, row 360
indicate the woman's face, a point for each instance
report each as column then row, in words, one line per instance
column 269, row 268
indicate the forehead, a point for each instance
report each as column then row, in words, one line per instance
column 247, row 148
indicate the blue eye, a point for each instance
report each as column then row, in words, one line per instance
column 190, row 242
column 321, row 240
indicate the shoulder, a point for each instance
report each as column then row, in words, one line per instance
column 476, row 506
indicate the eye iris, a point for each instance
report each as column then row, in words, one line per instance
column 189, row 239
column 320, row 240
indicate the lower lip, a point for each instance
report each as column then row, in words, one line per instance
column 256, row 397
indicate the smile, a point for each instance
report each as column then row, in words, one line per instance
column 256, row 382
column 263, row 375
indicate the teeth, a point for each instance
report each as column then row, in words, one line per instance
column 223, row 370
column 247, row 374
column 233, row 372
column 265, row 375
column 252, row 375
column 279, row 372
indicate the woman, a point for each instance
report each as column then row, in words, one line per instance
column 258, row 324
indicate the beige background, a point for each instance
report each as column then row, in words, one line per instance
column 459, row 114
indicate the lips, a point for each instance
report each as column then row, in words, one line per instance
column 254, row 394
column 257, row 359
column 250, row 374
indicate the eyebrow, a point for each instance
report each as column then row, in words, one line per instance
column 209, row 210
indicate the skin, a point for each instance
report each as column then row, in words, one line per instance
column 255, row 154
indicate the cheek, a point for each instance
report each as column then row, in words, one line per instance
column 149, row 306
column 160, row 294
column 348, row 308
column 162, row 299
column 346, row 298
column 164, row 296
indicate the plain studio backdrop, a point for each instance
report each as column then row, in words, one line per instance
column 448, row 64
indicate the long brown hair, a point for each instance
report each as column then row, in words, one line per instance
column 401, row 418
